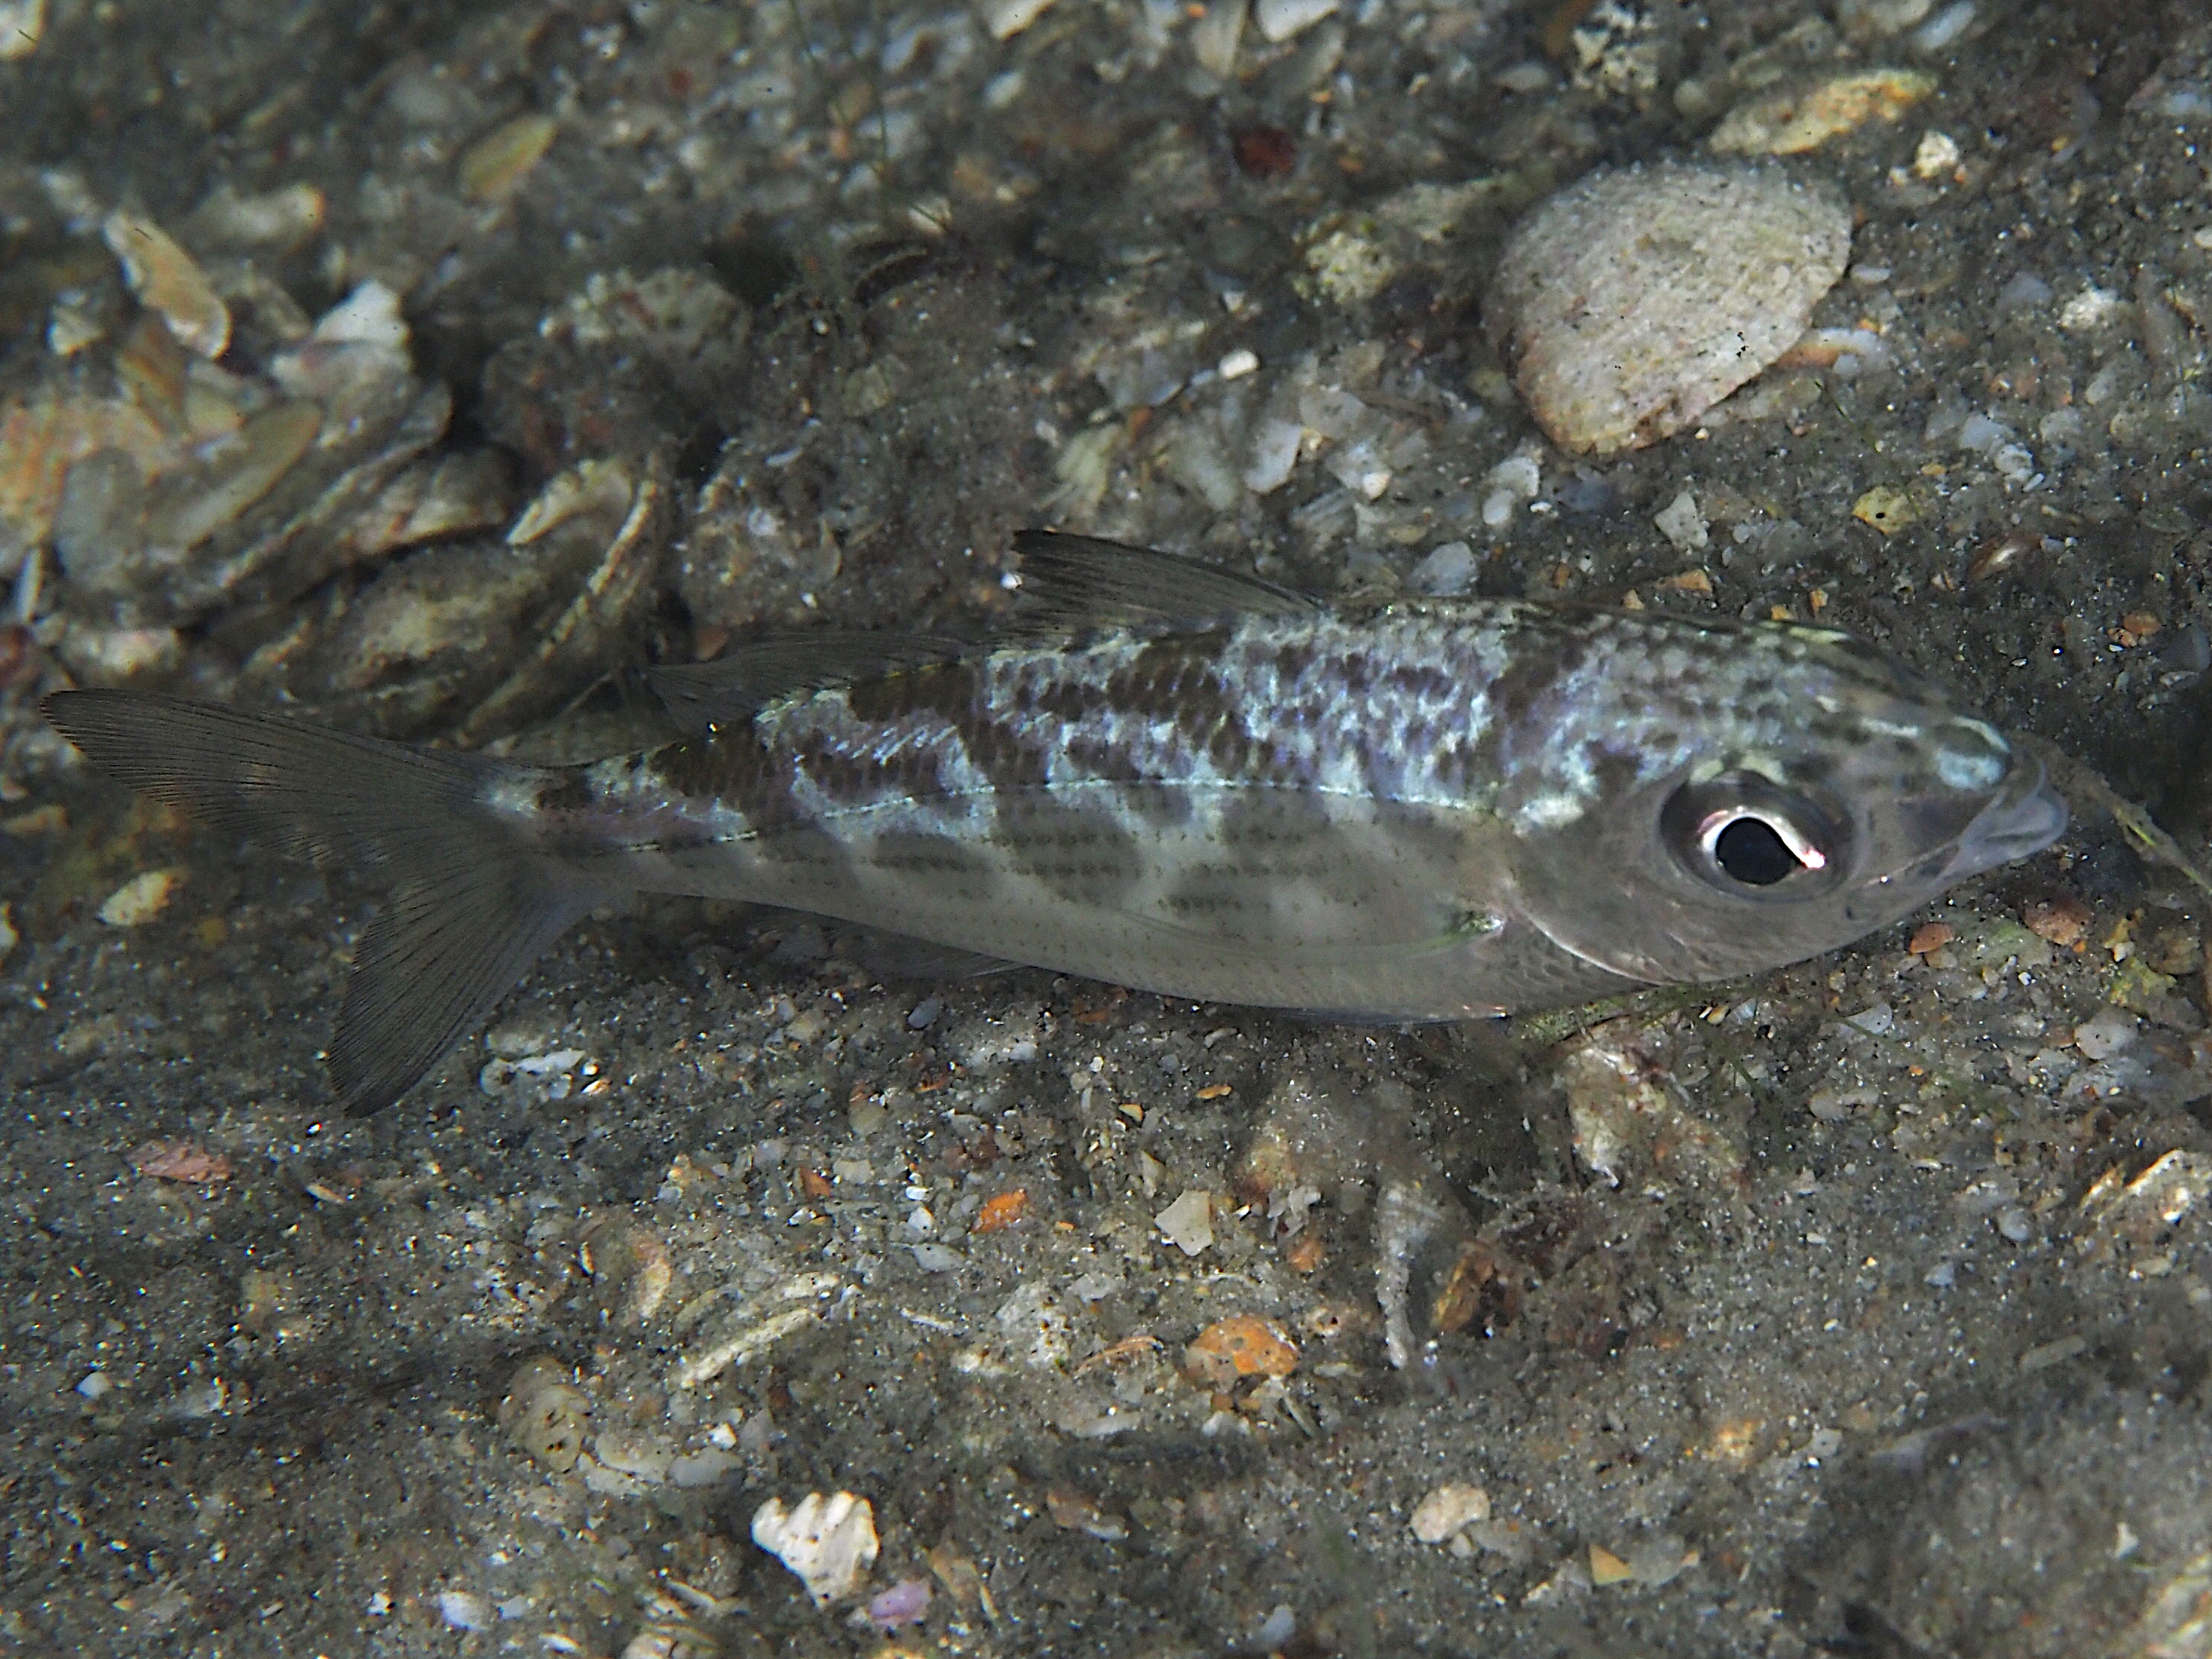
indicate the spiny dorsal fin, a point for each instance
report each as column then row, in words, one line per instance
column 730, row 688
column 1082, row 582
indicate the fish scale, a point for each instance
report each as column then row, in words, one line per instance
column 1186, row 781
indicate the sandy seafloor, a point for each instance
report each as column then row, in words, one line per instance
column 1888, row 1334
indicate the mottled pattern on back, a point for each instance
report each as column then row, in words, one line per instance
column 1434, row 705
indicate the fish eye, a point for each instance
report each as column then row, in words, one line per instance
column 1744, row 834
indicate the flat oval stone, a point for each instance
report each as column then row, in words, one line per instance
column 1631, row 301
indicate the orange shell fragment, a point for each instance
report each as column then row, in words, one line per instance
column 1242, row 1346
column 1002, row 1211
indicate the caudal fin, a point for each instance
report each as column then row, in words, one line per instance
column 473, row 902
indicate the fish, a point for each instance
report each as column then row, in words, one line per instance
column 1170, row 776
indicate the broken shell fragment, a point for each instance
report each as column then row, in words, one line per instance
column 1792, row 119
column 491, row 168
column 164, row 279
column 1631, row 302
column 829, row 1541
column 618, row 586
column 543, row 1412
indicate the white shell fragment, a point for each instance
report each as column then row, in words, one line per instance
column 1278, row 20
column 1007, row 18
column 830, row 1542
column 1632, row 302
column 1187, row 1224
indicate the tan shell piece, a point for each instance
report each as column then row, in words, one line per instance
column 1636, row 299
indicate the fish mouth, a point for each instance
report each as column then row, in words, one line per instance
column 2026, row 817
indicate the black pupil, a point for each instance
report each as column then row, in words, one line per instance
column 1749, row 851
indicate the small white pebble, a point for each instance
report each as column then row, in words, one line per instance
column 2090, row 309
column 1945, row 27
column 1517, row 475
column 1276, row 1630
column 1937, row 156
column 1448, row 569
column 1530, row 75
column 1238, row 363
column 1274, row 452
column 140, row 899
column 95, row 1385
column 1451, row 1506
column 462, row 1611
column 1682, row 523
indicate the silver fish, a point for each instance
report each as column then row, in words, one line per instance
column 1177, row 778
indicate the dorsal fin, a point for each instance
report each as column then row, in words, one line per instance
column 731, row 687
column 1082, row 582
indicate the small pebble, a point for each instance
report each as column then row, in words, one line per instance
column 1447, row 570
column 2106, row 1033
column 923, row 1015
column 1937, row 157
column 2062, row 919
column 906, row 1602
column 1276, row 1630
column 1886, row 508
column 1683, row 525
column 180, row 1160
column 1445, row 1510
column 1941, row 32
column 1242, row 1346
column 465, row 1612
column 1929, row 937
